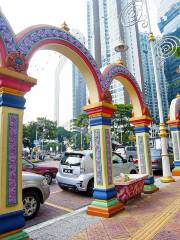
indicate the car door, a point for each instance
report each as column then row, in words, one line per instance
column 118, row 165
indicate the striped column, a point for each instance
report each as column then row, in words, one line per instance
column 143, row 151
column 12, row 103
column 175, row 134
column 105, row 203
column 174, row 124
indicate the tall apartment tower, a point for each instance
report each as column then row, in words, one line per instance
column 105, row 31
column 78, row 83
column 169, row 25
column 149, row 80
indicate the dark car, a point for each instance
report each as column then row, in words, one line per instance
column 48, row 172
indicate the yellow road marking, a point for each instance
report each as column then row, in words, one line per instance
column 59, row 207
column 154, row 226
column 56, row 191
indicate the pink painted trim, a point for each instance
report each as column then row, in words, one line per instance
column 135, row 88
column 28, row 30
column 6, row 81
column 76, row 50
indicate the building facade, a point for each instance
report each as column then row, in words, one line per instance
column 78, row 84
column 105, row 31
column 149, row 80
column 169, row 25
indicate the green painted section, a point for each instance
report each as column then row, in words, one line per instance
column 149, row 187
column 16, row 236
column 105, row 204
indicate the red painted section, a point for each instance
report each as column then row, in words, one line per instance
column 6, row 81
column 135, row 88
column 73, row 48
column 100, row 109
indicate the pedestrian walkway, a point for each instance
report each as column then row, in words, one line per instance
column 155, row 216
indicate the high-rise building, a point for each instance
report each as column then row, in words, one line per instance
column 149, row 80
column 78, row 83
column 169, row 25
column 105, row 31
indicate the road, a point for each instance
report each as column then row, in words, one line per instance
column 60, row 202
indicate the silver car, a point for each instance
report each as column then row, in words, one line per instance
column 35, row 191
column 76, row 170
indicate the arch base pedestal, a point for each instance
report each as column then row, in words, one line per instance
column 17, row 234
column 105, row 212
column 149, row 186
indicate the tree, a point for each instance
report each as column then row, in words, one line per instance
column 121, row 128
column 82, row 120
column 42, row 129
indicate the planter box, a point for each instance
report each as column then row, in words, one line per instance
column 130, row 189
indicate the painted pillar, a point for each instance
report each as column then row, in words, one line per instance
column 174, row 124
column 13, row 86
column 105, row 203
column 143, row 151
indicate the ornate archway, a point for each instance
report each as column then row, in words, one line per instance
column 140, row 115
column 15, row 52
column 174, row 124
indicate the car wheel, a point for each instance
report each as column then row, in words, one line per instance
column 133, row 172
column 90, row 187
column 64, row 188
column 31, row 204
column 48, row 177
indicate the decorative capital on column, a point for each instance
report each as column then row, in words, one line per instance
column 16, row 81
column 102, row 109
column 141, row 121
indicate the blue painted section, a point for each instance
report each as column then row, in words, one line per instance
column 149, row 180
column 141, row 129
column 11, row 221
column 9, row 100
column 175, row 128
column 104, row 194
column 100, row 121
column 177, row 163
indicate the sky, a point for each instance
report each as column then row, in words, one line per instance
column 24, row 13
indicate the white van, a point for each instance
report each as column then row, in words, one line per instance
column 76, row 170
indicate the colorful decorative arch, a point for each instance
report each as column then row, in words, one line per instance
column 121, row 73
column 16, row 51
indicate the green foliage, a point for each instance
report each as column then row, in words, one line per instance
column 44, row 128
column 82, row 120
column 121, row 128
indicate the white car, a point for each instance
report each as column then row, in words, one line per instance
column 76, row 170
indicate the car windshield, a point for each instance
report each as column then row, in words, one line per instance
column 155, row 152
column 72, row 159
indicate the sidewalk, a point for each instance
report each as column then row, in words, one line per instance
column 155, row 216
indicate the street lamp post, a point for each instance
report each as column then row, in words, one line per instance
column 121, row 47
column 167, row 176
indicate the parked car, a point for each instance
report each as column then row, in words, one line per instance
column 35, row 191
column 58, row 157
column 156, row 159
column 128, row 152
column 48, row 172
column 76, row 170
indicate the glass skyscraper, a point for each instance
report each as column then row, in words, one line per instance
column 105, row 31
column 78, row 83
column 149, row 81
column 169, row 25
